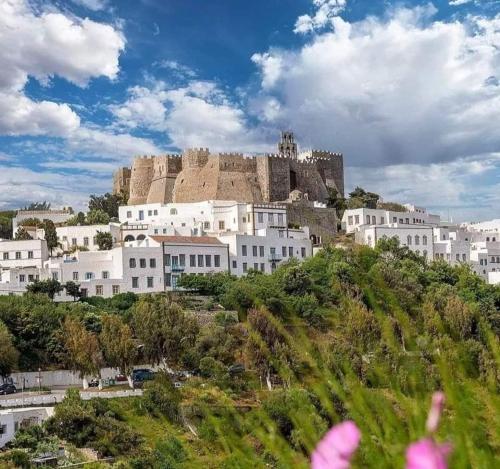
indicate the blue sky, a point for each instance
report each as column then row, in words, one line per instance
column 408, row 91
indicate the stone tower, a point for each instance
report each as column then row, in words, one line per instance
column 140, row 180
column 121, row 181
column 165, row 171
column 287, row 146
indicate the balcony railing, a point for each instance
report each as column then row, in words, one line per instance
column 177, row 268
column 274, row 258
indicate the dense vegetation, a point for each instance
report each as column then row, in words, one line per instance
column 359, row 333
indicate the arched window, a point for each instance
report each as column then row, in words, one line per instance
column 141, row 237
column 408, row 240
column 424, row 240
column 367, row 219
column 173, row 211
column 129, row 238
column 417, row 240
column 425, row 254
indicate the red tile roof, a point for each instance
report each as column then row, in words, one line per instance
column 187, row 240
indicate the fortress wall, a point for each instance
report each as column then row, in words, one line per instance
column 121, row 180
column 309, row 180
column 140, row 180
column 195, row 158
column 332, row 171
column 279, row 180
column 236, row 162
column 165, row 170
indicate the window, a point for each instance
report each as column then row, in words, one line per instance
column 260, row 217
column 131, row 263
column 22, row 278
column 283, row 251
column 382, row 220
column 167, row 260
column 55, row 276
column 150, row 282
column 407, row 221
column 168, row 280
column 152, row 263
column 135, row 282
column 142, row 263
column 173, row 211
column 367, row 219
column 254, row 251
column 457, row 257
column 5, row 256
column 417, row 240
column 235, row 264
column 116, row 289
column 74, row 241
column 75, row 276
column 18, row 255
column 280, row 219
column 86, row 241
column 424, row 240
column 3, row 429
column 356, row 219
column 200, row 260
column 261, row 251
column 464, row 257
column 256, row 266
column 30, row 254
column 129, row 214
column 408, row 240
column 222, row 225
column 394, row 219
column 290, row 251
column 98, row 290
column 303, row 252
column 105, row 274
column 206, row 225
column 262, row 267
column 208, row 260
column 89, row 275
column 270, row 217
column 217, row 260
column 182, row 259
column 31, row 278
column 192, row 260
column 243, row 250
column 349, row 219
column 245, row 267
column 141, row 214
column 155, row 212
column 425, row 254
column 150, row 212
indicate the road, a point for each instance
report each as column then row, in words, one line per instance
column 50, row 398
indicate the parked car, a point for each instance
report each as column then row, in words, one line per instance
column 7, row 388
column 142, row 374
column 120, row 378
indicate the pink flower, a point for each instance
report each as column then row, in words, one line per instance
column 336, row 448
column 427, row 454
column 435, row 412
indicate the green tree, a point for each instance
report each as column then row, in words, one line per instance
column 72, row 289
column 97, row 217
column 163, row 329
column 359, row 198
column 118, row 345
column 22, row 234
column 83, row 353
column 49, row 287
column 108, row 203
column 336, row 201
column 31, row 222
column 50, row 235
column 38, row 206
column 78, row 219
column 104, row 240
column 8, row 354
column 6, row 218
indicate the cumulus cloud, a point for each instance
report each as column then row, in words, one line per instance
column 94, row 5
column 42, row 46
column 402, row 89
column 194, row 115
column 325, row 11
column 459, row 2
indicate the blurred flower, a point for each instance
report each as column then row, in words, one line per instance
column 435, row 412
column 427, row 454
column 336, row 448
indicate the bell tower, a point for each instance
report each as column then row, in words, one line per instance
column 287, row 146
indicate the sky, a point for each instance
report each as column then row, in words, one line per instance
column 408, row 91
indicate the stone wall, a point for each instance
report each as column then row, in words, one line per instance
column 140, row 180
column 166, row 168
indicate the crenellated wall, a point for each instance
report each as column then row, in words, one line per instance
column 198, row 175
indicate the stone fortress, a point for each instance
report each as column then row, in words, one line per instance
column 199, row 175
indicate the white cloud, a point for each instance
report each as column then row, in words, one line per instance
column 42, row 45
column 195, row 115
column 94, row 5
column 459, row 2
column 325, row 11
column 404, row 89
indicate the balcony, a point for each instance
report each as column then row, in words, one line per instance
column 274, row 258
column 177, row 268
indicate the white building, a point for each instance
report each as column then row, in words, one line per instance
column 12, row 420
column 85, row 235
column 354, row 219
column 57, row 216
column 417, row 238
column 25, row 253
column 201, row 255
